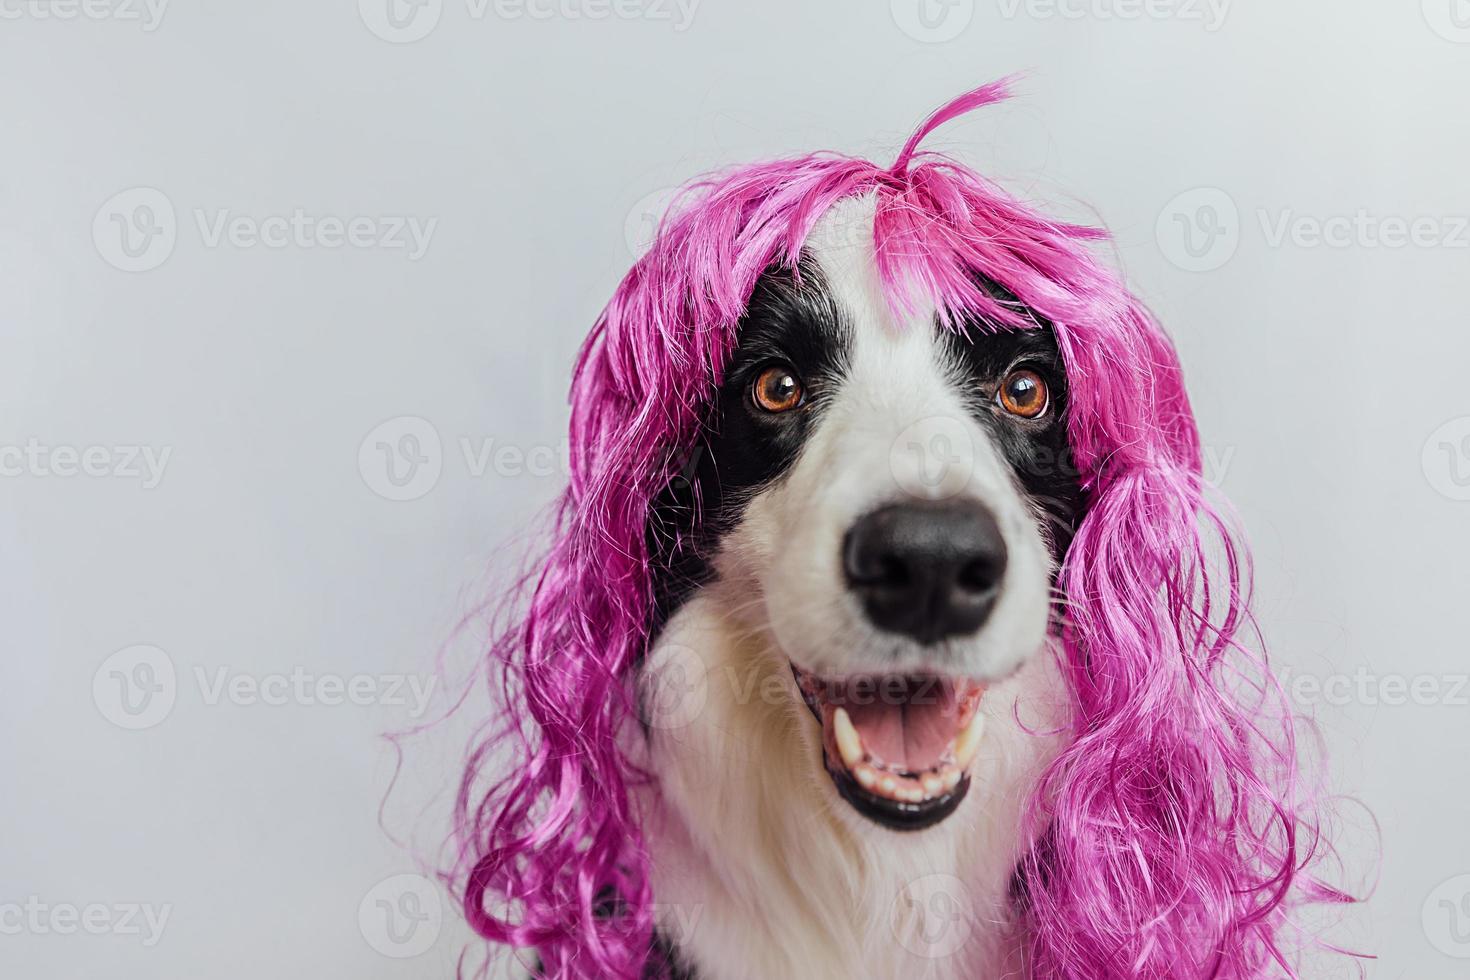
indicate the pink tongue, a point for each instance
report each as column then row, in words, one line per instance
column 911, row 735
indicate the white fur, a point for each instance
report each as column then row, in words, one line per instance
column 760, row 869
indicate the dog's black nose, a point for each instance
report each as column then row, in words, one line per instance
column 927, row 570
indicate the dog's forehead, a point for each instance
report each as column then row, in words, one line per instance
column 883, row 335
column 842, row 246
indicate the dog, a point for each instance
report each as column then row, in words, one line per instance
column 886, row 629
column 903, row 608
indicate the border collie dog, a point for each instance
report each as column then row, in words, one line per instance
column 884, row 630
column 886, row 501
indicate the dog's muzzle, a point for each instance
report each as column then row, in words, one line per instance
column 899, row 746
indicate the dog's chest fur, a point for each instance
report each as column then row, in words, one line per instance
column 761, row 871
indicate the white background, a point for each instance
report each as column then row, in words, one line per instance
column 1329, row 381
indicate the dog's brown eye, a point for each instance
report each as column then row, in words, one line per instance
column 777, row 389
column 1023, row 393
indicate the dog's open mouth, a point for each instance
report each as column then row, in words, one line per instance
column 898, row 746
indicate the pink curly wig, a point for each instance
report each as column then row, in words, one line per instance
column 1173, row 834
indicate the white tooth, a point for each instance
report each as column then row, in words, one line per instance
column 933, row 785
column 951, row 778
column 866, row 776
column 889, row 785
column 912, row 795
column 969, row 741
column 849, row 742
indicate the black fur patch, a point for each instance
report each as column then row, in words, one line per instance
column 791, row 319
column 1037, row 450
